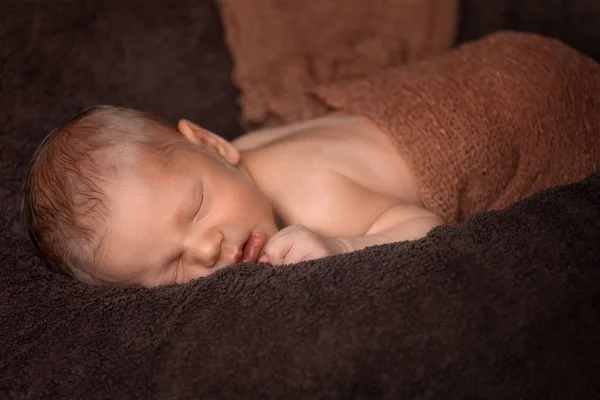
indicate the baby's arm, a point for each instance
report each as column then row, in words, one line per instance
column 399, row 223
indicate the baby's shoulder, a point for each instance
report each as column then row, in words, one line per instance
column 304, row 129
column 345, row 146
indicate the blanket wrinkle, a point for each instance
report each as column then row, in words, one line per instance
column 487, row 124
column 284, row 48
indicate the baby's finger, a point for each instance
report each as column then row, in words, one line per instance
column 277, row 249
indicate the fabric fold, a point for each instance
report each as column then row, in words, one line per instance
column 283, row 48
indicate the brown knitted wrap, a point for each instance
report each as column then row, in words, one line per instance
column 487, row 124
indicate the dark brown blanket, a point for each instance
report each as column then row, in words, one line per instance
column 503, row 307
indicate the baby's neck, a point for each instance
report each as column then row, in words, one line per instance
column 250, row 165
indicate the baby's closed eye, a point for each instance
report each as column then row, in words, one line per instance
column 198, row 206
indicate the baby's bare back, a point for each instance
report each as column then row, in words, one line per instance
column 335, row 175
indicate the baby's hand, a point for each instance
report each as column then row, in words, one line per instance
column 297, row 243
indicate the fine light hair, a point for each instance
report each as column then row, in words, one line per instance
column 64, row 201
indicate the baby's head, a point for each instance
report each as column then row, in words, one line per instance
column 117, row 196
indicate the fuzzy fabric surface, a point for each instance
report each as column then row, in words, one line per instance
column 488, row 123
column 301, row 44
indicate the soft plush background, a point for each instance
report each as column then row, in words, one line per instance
column 503, row 337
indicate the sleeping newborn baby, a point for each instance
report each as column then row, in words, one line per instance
column 117, row 196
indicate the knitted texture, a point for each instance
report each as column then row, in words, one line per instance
column 488, row 123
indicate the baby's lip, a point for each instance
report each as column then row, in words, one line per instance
column 253, row 246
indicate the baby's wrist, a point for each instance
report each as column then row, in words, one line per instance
column 350, row 244
column 340, row 245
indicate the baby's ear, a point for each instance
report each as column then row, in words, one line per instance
column 201, row 137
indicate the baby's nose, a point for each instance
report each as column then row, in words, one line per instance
column 204, row 249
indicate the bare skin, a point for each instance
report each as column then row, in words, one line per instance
column 280, row 196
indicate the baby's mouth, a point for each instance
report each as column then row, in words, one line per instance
column 253, row 247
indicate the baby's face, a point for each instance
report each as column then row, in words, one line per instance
column 171, row 224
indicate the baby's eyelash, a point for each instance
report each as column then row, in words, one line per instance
column 197, row 212
column 198, row 208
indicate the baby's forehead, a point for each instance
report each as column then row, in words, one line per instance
column 141, row 169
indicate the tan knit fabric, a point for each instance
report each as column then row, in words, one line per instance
column 283, row 48
column 486, row 124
